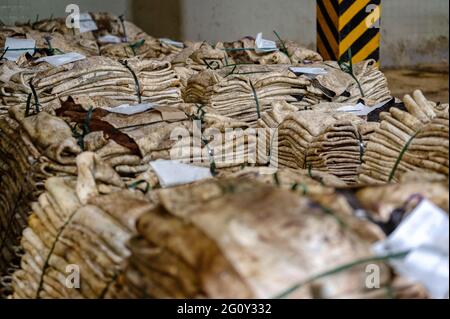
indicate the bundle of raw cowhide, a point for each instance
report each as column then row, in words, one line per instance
column 333, row 142
column 19, row 182
column 414, row 140
column 288, row 52
column 131, row 81
column 246, row 92
column 230, row 239
column 81, row 222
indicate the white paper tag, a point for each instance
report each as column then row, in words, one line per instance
column 109, row 38
column 355, row 109
column 128, row 109
column 87, row 24
column 14, row 45
column 172, row 173
column 57, row 60
column 172, row 42
column 263, row 45
column 306, row 70
column 424, row 232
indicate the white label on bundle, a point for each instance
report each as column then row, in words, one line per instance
column 172, row 173
column 172, row 42
column 109, row 38
column 425, row 233
column 87, row 24
column 128, row 109
column 356, row 109
column 57, row 60
column 360, row 109
column 17, row 47
column 263, row 45
column 305, row 70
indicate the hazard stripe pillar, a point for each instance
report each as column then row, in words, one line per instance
column 349, row 24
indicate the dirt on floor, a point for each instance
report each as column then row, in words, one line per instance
column 433, row 80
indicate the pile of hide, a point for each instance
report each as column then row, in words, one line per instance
column 198, row 56
column 245, row 51
column 19, row 182
column 82, row 222
column 411, row 141
column 145, row 48
column 221, row 238
column 107, row 24
column 131, row 81
column 50, row 43
column 129, row 142
column 331, row 142
column 246, row 92
column 230, row 239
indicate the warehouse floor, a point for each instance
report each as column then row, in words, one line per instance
column 432, row 79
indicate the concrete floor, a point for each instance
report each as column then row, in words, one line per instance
column 433, row 80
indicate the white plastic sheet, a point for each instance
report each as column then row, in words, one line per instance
column 425, row 233
column 172, row 173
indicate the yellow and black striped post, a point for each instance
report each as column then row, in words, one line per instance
column 344, row 25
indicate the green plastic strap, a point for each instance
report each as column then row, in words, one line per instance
column 276, row 179
column 211, row 64
column 4, row 52
column 50, row 253
column 19, row 49
column 136, row 45
column 318, row 179
column 35, row 96
column 256, row 99
column 295, row 186
column 27, row 107
column 283, row 46
column 341, row 269
column 200, row 116
column 400, row 156
column 348, row 68
column 139, row 182
column 121, row 19
column 136, row 81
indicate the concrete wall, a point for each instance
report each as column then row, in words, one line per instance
column 23, row 10
column 413, row 31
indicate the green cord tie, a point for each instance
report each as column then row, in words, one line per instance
column 283, row 46
column 136, row 45
column 318, row 178
column 276, row 179
column 121, row 19
column 211, row 64
column 36, row 103
column 4, row 52
column 400, row 156
column 139, row 182
column 136, row 81
column 199, row 115
column 50, row 253
column 347, row 67
column 256, row 99
column 294, row 187
column 341, row 269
